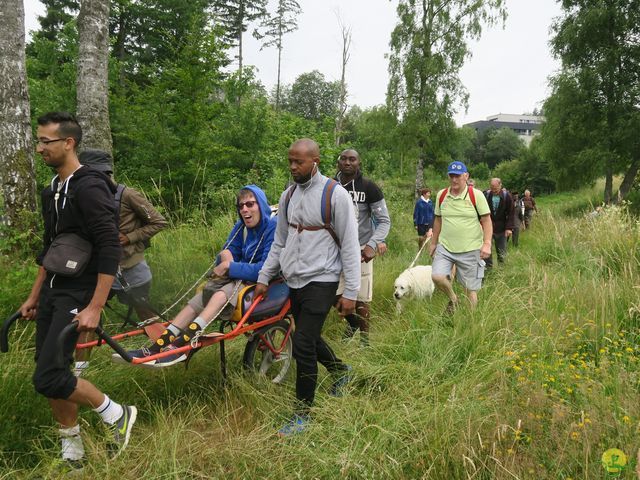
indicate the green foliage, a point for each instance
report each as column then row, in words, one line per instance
column 529, row 171
column 283, row 21
column 502, row 145
column 235, row 16
column 372, row 133
column 592, row 115
column 428, row 48
column 480, row 172
column 51, row 71
column 312, row 97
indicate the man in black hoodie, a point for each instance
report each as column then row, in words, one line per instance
column 80, row 200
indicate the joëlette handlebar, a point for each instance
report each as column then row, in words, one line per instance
column 4, row 333
column 73, row 326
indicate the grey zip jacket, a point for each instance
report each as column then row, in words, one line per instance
column 313, row 256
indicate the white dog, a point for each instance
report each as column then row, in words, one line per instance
column 413, row 282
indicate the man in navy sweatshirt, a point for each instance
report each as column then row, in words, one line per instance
column 311, row 255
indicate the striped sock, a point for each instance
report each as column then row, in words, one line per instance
column 110, row 411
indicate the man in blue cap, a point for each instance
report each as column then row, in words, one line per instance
column 462, row 234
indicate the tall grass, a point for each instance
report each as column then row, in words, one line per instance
column 537, row 382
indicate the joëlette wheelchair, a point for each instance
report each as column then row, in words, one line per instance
column 265, row 321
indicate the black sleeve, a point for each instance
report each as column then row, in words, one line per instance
column 373, row 192
column 97, row 210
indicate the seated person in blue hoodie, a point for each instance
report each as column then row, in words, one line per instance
column 238, row 264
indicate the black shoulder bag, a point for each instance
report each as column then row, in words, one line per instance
column 69, row 253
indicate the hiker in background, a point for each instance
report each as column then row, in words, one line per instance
column 373, row 227
column 237, row 265
column 312, row 247
column 79, row 216
column 529, row 207
column 461, row 236
column 423, row 216
column 138, row 221
column 518, row 217
column 501, row 206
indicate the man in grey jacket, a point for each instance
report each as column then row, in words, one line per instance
column 373, row 227
column 311, row 256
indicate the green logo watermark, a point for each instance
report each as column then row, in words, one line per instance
column 614, row 461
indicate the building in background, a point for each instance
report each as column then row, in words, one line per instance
column 526, row 126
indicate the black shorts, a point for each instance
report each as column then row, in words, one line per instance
column 56, row 309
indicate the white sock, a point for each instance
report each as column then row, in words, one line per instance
column 110, row 411
column 202, row 323
column 72, row 447
column 79, row 368
column 173, row 329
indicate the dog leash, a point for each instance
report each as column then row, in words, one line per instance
column 419, row 252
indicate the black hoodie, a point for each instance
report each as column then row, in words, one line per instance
column 85, row 206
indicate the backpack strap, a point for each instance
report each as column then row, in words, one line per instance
column 470, row 192
column 287, row 199
column 325, row 211
column 472, row 197
column 443, row 196
column 118, row 202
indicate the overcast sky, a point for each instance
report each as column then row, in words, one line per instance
column 507, row 73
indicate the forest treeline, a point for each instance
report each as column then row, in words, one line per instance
column 190, row 121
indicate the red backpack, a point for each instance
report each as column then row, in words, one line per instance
column 472, row 197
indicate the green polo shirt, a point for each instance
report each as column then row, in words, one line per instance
column 461, row 230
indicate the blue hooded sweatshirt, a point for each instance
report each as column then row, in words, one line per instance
column 243, row 246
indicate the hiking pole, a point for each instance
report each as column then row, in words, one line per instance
column 4, row 334
column 419, row 252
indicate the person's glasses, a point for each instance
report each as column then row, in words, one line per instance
column 248, row 204
column 47, row 142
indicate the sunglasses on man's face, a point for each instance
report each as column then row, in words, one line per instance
column 248, row 204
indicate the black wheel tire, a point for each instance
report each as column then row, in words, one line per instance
column 258, row 358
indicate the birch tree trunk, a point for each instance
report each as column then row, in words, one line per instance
column 93, row 74
column 17, row 174
column 420, row 171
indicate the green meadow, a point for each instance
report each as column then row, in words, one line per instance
column 538, row 382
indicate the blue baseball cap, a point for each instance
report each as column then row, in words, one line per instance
column 457, row 168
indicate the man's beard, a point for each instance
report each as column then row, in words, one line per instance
column 304, row 179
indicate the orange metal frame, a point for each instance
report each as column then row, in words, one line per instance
column 241, row 327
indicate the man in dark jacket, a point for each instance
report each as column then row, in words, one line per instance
column 518, row 217
column 79, row 201
column 501, row 206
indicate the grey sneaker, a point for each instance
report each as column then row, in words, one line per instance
column 143, row 352
column 121, row 430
